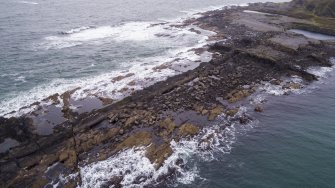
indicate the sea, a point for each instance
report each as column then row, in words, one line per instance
column 51, row 46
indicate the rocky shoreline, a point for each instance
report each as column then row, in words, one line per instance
column 253, row 46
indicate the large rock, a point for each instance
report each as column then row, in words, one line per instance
column 168, row 126
column 188, row 129
column 214, row 113
column 142, row 138
column 158, row 154
column 69, row 157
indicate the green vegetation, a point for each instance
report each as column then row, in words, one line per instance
column 320, row 14
column 322, row 8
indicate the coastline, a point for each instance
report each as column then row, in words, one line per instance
column 250, row 51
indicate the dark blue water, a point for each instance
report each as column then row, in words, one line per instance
column 292, row 146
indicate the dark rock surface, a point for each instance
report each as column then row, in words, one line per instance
column 249, row 49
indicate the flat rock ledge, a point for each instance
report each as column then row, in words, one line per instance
column 248, row 50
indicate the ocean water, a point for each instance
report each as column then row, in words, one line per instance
column 52, row 46
column 293, row 144
column 57, row 45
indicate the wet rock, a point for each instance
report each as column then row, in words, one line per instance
column 231, row 112
column 142, row 138
column 54, row 98
column 69, row 158
column 204, row 112
column 168, row 125
column 119, row 78
column 258, row 108
column 19, row 129
column 30, row 161
column 244, row 119
column 110, row 134
column 292, row 85
column 8, row 171
column 114, row 182
column 40, row 182
column 215, row 112
column 158, row 154
column 198, row 108
column 113, row 117
column 238, row 95
column 49, row 159
column 105, row 100
column 245, row 58
column 276, row 82
column 188, row 129
column 86, row 142
column 102, row 156
column 130, row 121
column 70, row 185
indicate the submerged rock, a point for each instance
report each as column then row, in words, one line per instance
column 258, row 108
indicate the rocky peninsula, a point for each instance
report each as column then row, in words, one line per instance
column 254, row 45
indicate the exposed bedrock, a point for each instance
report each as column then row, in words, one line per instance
column 248, row 50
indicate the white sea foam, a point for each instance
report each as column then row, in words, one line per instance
column 282, row 89
column 137, row 170
column 144, row 72
column 179, row 59
column 133, row 165
column 28, row 2
column 321, row 72
column 211, row 143
column 76, row 30
column 131, row 31
column 20, row 79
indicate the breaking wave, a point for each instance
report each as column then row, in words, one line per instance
column 135, row 170
column 28, row 2
column 115, row 84
column 75, row 30
column 132, row 31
